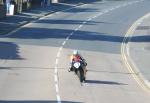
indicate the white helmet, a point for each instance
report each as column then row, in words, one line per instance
column 75, row 52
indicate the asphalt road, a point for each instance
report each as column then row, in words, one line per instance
column 40, row 51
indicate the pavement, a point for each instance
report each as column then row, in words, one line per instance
column 139, row 47
column 10, row 23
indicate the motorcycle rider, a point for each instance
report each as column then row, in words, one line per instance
column 76, row 57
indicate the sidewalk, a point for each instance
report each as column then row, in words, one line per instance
column 140, row 50
column 12, row 22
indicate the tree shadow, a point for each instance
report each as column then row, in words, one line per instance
column 103, row 82
column 80, row 1
column 9, row 51
column 45, row 33
column 16, row 19
column 111, row 72
column 35, row 101
column 67, row 22
column 144, row 38
column 77, row 10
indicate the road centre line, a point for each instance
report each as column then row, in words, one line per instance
column 81, row 26
column 64, row 43
column 89, row 19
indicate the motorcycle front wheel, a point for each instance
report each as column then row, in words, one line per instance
column 81, row 75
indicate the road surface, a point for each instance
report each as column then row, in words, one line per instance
column 35, row 59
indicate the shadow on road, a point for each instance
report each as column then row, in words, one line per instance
column 45, row 33
column 50, row 21
column 54, row 37
column 104, row 82
column 110, row 72
column 32, row 101
column 145, row 38
column 9, row 51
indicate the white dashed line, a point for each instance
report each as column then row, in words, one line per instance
column 64, row 43
column 75, row 30
column 68, row 38
column 80, row 26
column 89, row 19
column 94, row 17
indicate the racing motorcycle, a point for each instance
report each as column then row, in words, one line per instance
column 78, row 68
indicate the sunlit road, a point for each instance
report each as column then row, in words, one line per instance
column 40, row 51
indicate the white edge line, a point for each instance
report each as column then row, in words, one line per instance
column 56, row 78
column 57, row 88
column 58, row 99
column 58, row 54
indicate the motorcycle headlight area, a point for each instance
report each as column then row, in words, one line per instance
column 77, row 65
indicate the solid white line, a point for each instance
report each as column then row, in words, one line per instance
column 60, row 49
column 57, row 88
column 58, row 99
column 58, row 54
column 56, row 61
column 55, row 71
column 56, row 78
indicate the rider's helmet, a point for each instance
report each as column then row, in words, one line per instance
column 75, row 52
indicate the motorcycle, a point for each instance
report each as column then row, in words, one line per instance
column 78, row 68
